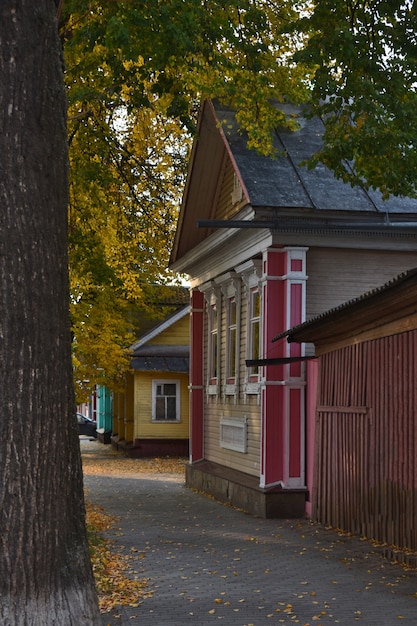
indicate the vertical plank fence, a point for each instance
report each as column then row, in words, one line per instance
column 366, row 465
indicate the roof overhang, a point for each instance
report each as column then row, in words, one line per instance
column 172, row 364
column 390, row 309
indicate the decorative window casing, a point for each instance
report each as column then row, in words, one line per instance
column 212, row 295
column 251, row 273
column 254, row 334
column 165, row 401
column 234, row 433
column 231, row 289
column 231, row 342
column 213, row 365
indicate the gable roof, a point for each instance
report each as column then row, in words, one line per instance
column 283, row 183
column 161, row 358
column 395, row 300
column 275, row 192
column 161, row 327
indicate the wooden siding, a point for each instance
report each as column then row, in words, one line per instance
column 123, row 410
column 366, row 440
column 336, row 276
column 217, row 407
column 144, row 427
column 201, row 193
column 226, row 206
column 245, row 462
column 176, row 335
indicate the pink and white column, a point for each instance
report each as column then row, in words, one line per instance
column 196, row 377
column 283, row 386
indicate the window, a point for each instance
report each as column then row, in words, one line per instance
column 213, row 302
column 213, row 345
column 234, row 433
column 254, row 332
column 165, row 401
column 231, row 286
column 231, row 342
column 251, row 273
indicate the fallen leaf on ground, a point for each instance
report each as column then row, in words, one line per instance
column 115, row 463
column 114, row 587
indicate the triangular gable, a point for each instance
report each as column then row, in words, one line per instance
column 213, row 182
column 160, row 328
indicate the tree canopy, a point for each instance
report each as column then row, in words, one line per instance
column 135, row 74
column 364, row 57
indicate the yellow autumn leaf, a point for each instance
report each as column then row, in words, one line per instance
column 114, row 588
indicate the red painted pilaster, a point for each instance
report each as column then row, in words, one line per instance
column 282, row 399
column 196, row 376
column 272, row 396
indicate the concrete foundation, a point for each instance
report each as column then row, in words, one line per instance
column 243, row 491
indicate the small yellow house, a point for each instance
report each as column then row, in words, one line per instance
column 152, row 417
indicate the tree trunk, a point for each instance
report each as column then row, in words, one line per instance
column 45, row 572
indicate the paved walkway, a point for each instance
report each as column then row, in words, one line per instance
column 208, row 563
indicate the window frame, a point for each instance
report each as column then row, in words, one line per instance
column 213, row 345
column 232, row 365
column 254, row 321
column 231, row 288
column 251, row 273
column 166, row 381
column 213, row 302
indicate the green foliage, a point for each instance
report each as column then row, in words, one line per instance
column 365, row 60
column 135, row 73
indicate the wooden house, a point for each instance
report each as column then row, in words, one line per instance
column 363, row 421
column 268, row 244
column 151, row 417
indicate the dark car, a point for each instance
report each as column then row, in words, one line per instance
column 86, row 426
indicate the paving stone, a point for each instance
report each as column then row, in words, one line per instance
column 211, row 564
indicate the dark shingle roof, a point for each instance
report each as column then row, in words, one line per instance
column 161, row 358
column 282, row 182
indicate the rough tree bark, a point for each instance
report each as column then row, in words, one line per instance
column 45, row 573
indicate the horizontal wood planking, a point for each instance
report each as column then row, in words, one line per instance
column 176, row 335
column 336, row 276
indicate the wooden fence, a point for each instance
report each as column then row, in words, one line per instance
column 366, row 441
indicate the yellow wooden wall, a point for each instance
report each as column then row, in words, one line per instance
column 176, row 335
column 144, row 427
column 123, row 410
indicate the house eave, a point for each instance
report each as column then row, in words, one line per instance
column 375, row 309
column 327, row 225
column 248, row 238
column 222, row 251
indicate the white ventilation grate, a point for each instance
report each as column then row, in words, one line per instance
column 234, row 433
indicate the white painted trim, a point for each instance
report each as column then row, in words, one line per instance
column 167, row 381
column 220, row 252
